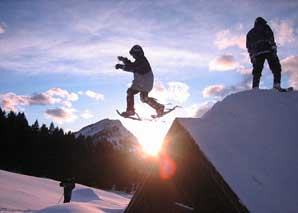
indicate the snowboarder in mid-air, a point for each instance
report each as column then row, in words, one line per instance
column 261, row 46
column 142, row 82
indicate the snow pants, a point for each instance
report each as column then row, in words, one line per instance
column 67, row 196
column 144, row 98
column 258, row 64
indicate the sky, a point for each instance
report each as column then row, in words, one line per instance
column 57, row 58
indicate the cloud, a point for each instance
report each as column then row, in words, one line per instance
column 41, row 99
column 284, row 31
column 220, row 91
column 86, row 114
column 166, row 58
column 197, row 110
column 290, row 67
column 12, row 102
column 203, row 108
column 89, row 44
column 189, row 111
column 2, row 27
column 214, row 90
column 223, row 63
column 61, row 115
column 63, row 94
column 172, row 92
column 94, row 95
column 226, row 38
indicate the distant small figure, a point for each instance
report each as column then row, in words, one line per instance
column 68, row 185
column 261, row 46
column 142, row 82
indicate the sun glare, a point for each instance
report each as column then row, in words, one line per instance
column 150, row 134
column 151, row 146
column 151, row 139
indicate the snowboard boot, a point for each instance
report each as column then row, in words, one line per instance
column 255, row 82
column 128, row 113
column 278, row 87
column 160, row 110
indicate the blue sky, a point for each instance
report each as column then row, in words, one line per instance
column 57, row 57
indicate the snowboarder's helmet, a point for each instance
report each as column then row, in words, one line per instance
column 260, row 21
column 136, row 50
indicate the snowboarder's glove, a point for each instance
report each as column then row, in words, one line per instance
column 123, row 59
column 119, row 66
column 120, row 58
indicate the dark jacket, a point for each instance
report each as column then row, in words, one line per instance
column 140, row 65
column 260, row 40
column 68, row 186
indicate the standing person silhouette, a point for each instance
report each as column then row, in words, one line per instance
column 68, row 185
column 261, row 46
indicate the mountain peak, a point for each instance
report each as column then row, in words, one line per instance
column 110, row 131
column 95, row 128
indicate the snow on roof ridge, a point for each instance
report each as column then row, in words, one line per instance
column 251, row 138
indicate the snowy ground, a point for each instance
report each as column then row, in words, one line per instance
column 21, row 193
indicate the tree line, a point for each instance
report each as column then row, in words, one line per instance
column 43, row 151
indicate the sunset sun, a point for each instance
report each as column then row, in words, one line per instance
column 150, row 137
column 151, row 143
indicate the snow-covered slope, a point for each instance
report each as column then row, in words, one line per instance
column 252, row 139
column 21, row 193
column 111, row 131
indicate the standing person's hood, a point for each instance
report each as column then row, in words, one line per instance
column 260, row 22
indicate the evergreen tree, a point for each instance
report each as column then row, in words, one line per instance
column 49, row 152
column 51, row 128
column 35, row 126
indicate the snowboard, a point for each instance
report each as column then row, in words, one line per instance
column 153, row 117
column 134, row 117
column 165, row 112
column 289, row 89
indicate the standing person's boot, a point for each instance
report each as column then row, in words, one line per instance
column 276, row 86
column 256, row 82
column 279, row 88
column 276, row 80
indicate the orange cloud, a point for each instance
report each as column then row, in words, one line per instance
column 173, row 91
column 12, row 102
column 284, row 31
column 225, row 39
column 223, row 63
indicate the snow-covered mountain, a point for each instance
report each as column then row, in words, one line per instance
column 22, row 193
column 110, row 131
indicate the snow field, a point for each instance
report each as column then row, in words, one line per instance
column 21, row 193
